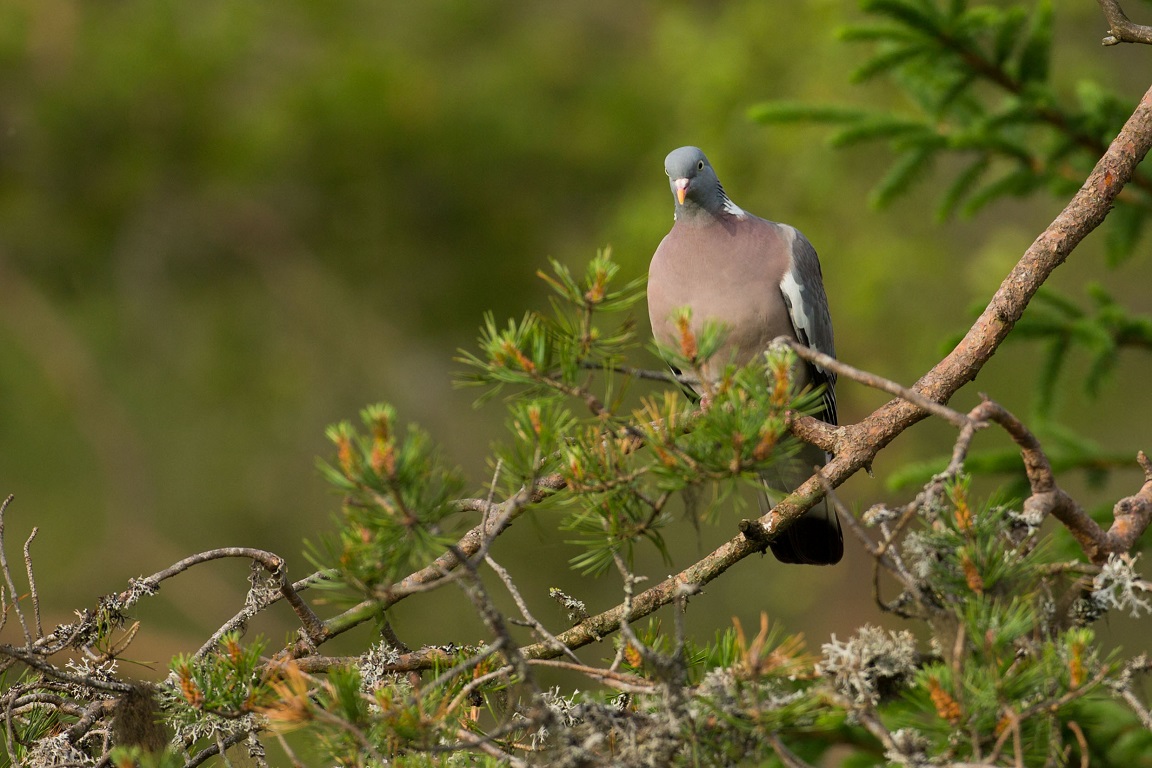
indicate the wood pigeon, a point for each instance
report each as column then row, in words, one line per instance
column 760, row 280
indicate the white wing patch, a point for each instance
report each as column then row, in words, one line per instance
column 804, row 321
column 798, row 308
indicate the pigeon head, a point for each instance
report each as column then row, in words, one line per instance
column 694, row 183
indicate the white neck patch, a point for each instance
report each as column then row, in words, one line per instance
column 733, row 209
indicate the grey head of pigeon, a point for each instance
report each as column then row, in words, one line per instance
column 695, row 187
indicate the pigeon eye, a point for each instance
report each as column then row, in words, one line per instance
column 700, row 165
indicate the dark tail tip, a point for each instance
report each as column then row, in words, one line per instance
column 814, row 539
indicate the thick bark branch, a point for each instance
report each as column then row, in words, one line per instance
column 1121, row 29
column 1131, row 515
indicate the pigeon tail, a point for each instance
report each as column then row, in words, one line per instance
column 816, row 538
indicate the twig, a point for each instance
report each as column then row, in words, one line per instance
column 366, row 744
column 34, row 660
column 9, row 729
column 1123, row 686
column 313, row 629
column 528, row 617
column 1121, row 29
column 629, row 638
column 240, row 620
column 93, row 713
column 1081, row 741
column 468, row 664
column 787, row 757
column 849, row 519
column 8, row 575
column 32, row 582
column 803, row 351
column 469, row 740
column 288, row 750
column 475, row 683
column 494, row 620
column 645, row 373
column 618, row 680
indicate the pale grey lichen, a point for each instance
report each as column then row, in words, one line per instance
column 910, row 748
column 104, row 671
column 563, row 710
column 376, row 666
column 1031, row 517
column 139, row 588
column 872, row 664
column 922, row 554
column 1118, row 585
column 577, row 610
column 191, row 723
column 877, row 514
column 56, row 751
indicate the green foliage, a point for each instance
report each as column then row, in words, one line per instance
column 136, row 757
column 552, row 353
column 1102, row 332
column 397, row 499
column 226, row 685
column 977, row 78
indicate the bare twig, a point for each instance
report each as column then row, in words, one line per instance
column 240, row 620
column 464, row 666
column 219, row 747
column 629, row 638
column 644, row 373
column 313, row 630
column 1123, row 687
column 1121, row 29
column 35, row 661
column 477, row 682
column 1081, row 741
column 32, row 582
column 296, row 763
column 93, row 713
column 840, row 368
column 494, row 620
column 486, row 746
column 619, row 680
column 523, row 606
column 787, row 757
column 8, row 575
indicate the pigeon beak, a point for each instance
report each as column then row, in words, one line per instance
column 681, row 187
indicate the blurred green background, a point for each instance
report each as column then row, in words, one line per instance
column 224, row 226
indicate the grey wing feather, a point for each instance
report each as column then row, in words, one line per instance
column 803, row 291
